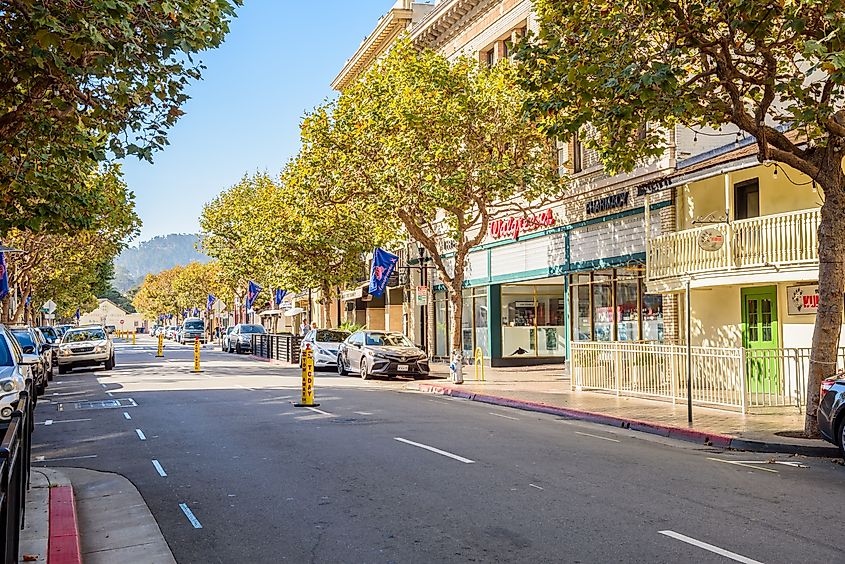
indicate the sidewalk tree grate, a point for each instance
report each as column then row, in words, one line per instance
column 105, row 404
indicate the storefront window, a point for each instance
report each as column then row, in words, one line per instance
column 533, row 320
column 441, row 329
column 474, row 322
column 652, row 317
column 603, row 311
column 627, row 310
column 582, row 330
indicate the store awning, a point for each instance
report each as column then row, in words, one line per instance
column 270, row 312
column 294, row 311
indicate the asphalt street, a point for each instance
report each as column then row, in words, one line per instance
column 233, row 472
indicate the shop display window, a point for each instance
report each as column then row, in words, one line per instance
column 533, row 320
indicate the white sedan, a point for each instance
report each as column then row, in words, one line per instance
column 325, row 344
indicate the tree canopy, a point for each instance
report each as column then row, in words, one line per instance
column 775, row 70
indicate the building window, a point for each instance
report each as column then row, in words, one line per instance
column 533, row 320
column 747, row 199
column 489, row 57
column 577, row 154
column 474, row 322
column 611, row 305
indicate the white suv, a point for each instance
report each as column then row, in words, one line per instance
column 85, row 346
column 13, row 375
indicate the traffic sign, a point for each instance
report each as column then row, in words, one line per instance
column 49, row 306
column 122, row 322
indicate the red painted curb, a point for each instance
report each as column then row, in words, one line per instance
column 63, row 545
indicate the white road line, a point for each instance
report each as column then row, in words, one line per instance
column 714, row 549
column 597, row 437
column 504, row 416
column 141, row 434
column 103, row 385
column 735, row 463
column 126, row 415
column 362, row 413
column 246, row 388
column 48, row 422
column 42, row 459
column 320, row 411
column 312, row 417
column 190, row 515
column 535, row 486
column 159, row 469
column 52, row 422
column 437, row 450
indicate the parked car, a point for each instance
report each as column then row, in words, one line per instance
column 36, row 353
column 13, row 376
column 370, row 353
column 86, row 346
column 325, row 343
column 831, row 413
column 240, row 339
column 191, row 329
column 52, row 336
column 170, row 332
column 62, row 329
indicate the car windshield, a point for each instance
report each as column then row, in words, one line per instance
column 79, row 335
column 24, row 338
column 252, row 328
column 325, row 336
column 194, row 325
column 388, row 340
column 49, row 333
column 5, row 353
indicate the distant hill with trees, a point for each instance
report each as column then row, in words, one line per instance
column 153, row 256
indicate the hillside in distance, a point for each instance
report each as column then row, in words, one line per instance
column 153, row 256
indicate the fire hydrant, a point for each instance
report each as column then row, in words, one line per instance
column 456, row 367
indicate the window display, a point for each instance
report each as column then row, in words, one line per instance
column 533, row 320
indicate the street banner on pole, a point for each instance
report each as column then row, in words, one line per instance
column 380, row 271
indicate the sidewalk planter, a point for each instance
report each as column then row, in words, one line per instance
column 721, row 376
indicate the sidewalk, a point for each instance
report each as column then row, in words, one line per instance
column 547, row 389
column 110, row 523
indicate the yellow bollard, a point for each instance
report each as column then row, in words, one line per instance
column 160, row 353
column 134, row 333
column 307, row 379
column 478, row 361
column 196, row 354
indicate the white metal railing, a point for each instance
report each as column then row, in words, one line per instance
column 786, row 238
column 735, row 378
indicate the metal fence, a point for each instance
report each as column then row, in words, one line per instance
column 283, row 346
column 14, row 474
column 734, row 378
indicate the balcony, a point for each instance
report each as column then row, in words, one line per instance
column 767, row 245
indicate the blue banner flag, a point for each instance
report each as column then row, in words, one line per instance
column 210, row 303
column 279, row 296
column 382, row 268
column 252, row 292
column 4, row 277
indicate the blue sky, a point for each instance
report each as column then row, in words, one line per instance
column 277, row 61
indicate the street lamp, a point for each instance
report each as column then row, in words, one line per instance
column 424, row 284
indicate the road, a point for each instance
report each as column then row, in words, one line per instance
column 233, row 472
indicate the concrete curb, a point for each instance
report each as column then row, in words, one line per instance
column 273, row 361
column 64, row 545
column 680, row 433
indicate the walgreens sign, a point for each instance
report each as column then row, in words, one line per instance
column 514, row 226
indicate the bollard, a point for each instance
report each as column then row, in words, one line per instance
column 160, row 353
column 478, row 362
column 196, row 354
column 456, row 367
column 133, row 337
column 307, row 379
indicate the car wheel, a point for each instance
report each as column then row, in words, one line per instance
column 365, row 370
column 841, row 435
column 50, row 374
column 63, row 369
column 341, row 369
column 237, row 348
column 109, row 364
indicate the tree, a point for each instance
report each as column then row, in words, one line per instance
column 775, row 70
column 71, row 269
column 78, row 79
column 195, row 281
column 441, row 147
column 157, row 296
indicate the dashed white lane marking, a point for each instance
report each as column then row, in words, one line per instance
column 535, row 486
column 320, row 411
column 159, row 469
column 52, row 422
column 312, row 417
column 436, row 450
column 190, row 515
column 362, row 412
column 126, row 415
column 67, row 393
column 141, row 434
column 42, row 459
column 504, row 416
column 743, row 464
column 712, row 548
column 597, row 437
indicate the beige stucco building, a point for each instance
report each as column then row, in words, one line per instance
column 109, row 313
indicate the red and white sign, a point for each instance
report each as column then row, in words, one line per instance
column 122, row 321
column 515, row 226
column 802, row 300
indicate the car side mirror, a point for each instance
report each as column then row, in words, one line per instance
column 46, row 347
column 28, row 350
column 29, row 358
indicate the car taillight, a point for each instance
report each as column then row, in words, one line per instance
column 825, row 388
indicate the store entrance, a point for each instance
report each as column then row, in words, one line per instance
column 533, row 320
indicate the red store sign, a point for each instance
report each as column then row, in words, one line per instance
column 516, row 225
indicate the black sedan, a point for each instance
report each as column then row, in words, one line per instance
column 831, row 414
column 370, row 353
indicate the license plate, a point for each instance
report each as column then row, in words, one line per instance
column 402, row 367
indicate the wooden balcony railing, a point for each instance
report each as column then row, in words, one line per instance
column 783, row 239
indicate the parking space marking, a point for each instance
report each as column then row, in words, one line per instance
column 320, row 411
column 535, row 486
column 743, row 464
column 190, row 515
column 709, row 547
column 597, row 437
column 126, row 415
column 43, row 459
column 504, row 416
column 362, row 412
column 141, row 434
column 159, row 469
column 436, row 450
column 52, row 421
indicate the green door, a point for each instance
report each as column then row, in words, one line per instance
column 760, row 339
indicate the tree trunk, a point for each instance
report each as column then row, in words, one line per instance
column 457, row 300
column 325, row 305
column 831, row 293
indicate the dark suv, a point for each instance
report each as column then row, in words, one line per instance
column 831, row 414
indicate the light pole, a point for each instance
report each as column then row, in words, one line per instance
column 424, row 306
